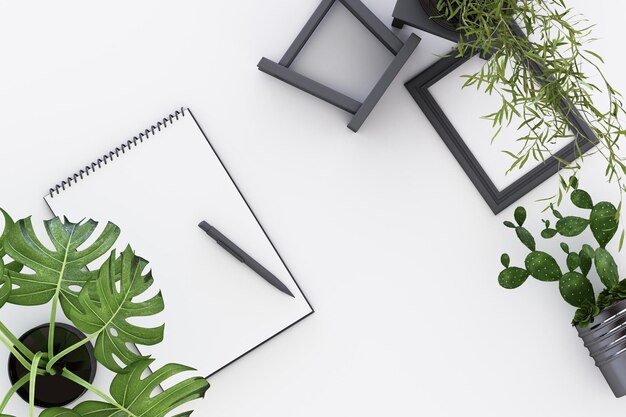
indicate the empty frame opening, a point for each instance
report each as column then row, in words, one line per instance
column 343, row 55
column 465, row 108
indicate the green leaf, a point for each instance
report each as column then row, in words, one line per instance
column 133, row 397
column 512, row 278
column 107, row 314
column 573, row 261
column 543, row 267
column 525, row 237
column 505, row 259
column 604, row 222
column 58, row 412
column 571, row 226
column 582, row 199
column 586, row 314
column 606, row 268
column 586, row 256
column 509, row 224
column 5, row 285
column 56, row 272
column 520, row 216
column 594, row 54
column 8, row 223
column 14, row 266
column 548, row 233
column 5, row 280
column 576, row 289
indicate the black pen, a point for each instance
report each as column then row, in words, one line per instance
column 242, row 256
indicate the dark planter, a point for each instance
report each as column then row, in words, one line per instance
column 418, row 13
column 607, row 346
column 430, row 8
column 55, row 390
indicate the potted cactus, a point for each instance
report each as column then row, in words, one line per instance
column 598, row 319
column 54, row 364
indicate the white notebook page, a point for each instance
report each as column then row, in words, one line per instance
column 216, row 308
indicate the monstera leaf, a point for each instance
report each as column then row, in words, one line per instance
column 5, row 281
column 58, row 273
column 106, row 315
column 8, row 223
column 5, row 285
column 132, row 394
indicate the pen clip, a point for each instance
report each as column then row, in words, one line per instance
column 229, row 250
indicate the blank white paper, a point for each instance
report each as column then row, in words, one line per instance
column 216, row 308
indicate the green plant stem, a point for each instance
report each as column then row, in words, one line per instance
column 16, row 342
column 55, row 301
column 53, row 317
column 75, row 378
column 61, row 355
column 19, row 384
column 15, row 352
column 32, row 384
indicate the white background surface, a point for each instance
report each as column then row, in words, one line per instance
column 391, row 242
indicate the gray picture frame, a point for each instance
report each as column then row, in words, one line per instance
column 360, row 110
column 496, row 199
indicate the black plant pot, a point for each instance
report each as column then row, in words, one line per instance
column 607, row 346
column 422, row 14
column 55, row 390
column 430, row 8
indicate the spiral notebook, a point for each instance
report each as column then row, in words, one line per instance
column 157, row 187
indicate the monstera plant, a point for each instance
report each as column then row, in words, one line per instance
column 54, row 364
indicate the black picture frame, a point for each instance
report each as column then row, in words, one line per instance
column 497, row 200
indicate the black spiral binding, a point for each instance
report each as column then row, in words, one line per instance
column 126, row 146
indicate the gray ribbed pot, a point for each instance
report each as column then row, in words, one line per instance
column 606, row 340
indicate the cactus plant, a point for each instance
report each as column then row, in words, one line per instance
column 574, row 285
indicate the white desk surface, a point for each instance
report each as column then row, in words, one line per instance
column 389, row 239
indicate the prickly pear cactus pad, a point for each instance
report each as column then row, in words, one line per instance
column 543, row 267
column 575, row 285
column 100, row 302
column 576, row 289
column 604, row 222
